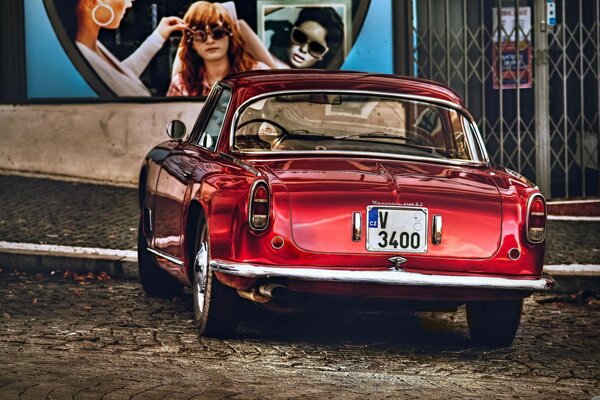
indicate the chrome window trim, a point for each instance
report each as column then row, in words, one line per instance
column 369, row 155
column 479, row 140
column 422, row 99
column 473, row 142
column 215, row 87
column 529, row 202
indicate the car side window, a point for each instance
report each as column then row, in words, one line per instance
column 210, row 134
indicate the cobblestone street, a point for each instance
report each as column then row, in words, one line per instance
column 70, row 337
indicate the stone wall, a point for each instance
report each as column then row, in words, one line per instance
column 103, row 142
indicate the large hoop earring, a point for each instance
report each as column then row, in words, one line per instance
column 110, row 20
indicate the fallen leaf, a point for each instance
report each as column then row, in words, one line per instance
column 103, row 276
column 34, row 301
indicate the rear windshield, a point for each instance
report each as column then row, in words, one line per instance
column 324, row 122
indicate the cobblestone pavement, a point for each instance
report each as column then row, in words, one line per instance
column 63, row 338
column 74, row 214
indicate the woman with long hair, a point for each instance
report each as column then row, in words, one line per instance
column 211, row 48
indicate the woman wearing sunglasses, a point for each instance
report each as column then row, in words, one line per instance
column 314, row 38
column 211, row 48
column 311, row 42
column 122, row 77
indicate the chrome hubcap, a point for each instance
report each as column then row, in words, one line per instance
column 200, row 278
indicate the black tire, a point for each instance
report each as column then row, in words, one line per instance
column 156, row 282
column 217, row 307
column 494, row 323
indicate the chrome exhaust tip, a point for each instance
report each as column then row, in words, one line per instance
column 273, row 290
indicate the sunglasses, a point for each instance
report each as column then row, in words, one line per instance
column 200, row 36
column 300, row 38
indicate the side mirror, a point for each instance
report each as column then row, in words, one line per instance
column 176, row 129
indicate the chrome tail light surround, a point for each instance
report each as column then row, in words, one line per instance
column 259, row 206
column 535, row 226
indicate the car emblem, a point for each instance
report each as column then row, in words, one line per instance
column 397, row 261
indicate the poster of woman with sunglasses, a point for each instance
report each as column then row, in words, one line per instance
column 211, row 48
column 143, row 48
column 307, row 34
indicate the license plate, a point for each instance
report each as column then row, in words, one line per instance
column 399, row 229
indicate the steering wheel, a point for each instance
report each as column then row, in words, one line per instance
column 422, row 136
column 268, row 121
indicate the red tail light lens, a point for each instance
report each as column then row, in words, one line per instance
column 258, row 213
column 536, row 219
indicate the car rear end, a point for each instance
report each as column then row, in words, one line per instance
column 379, row 194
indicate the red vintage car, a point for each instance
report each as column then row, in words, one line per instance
column 340, row 184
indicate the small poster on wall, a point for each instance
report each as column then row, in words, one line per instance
column 512, row 55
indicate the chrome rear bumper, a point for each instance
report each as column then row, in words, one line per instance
column 389, row 277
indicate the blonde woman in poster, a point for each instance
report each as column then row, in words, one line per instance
column 211, row 48
column 122, row 77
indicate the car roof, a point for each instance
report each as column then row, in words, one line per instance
column 258, row 82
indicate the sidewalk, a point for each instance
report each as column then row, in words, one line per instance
column 49, row 225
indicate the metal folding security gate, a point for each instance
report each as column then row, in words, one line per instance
column 533, row 87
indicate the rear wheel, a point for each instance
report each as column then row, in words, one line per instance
column 216, row 306
column 156, row 282
column 494, row 323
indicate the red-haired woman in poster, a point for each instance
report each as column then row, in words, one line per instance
column 211, row 48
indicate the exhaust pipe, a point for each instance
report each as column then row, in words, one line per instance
column 273, row 290
column 254, row 296
column 264, row 293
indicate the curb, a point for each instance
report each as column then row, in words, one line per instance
column 122, row 264
column 35, row 259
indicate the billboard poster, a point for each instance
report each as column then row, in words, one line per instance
column 179, row 48
column 511, row 50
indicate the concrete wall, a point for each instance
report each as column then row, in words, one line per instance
column 90, row 142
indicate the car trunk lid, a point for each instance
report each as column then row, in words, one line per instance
column 324, row 195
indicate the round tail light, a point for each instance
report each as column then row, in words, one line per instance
column 258, row 212
column 536, row 219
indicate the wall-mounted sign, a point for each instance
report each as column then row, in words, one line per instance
column 512, row 65
column 509, row 25
column 512, row 55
